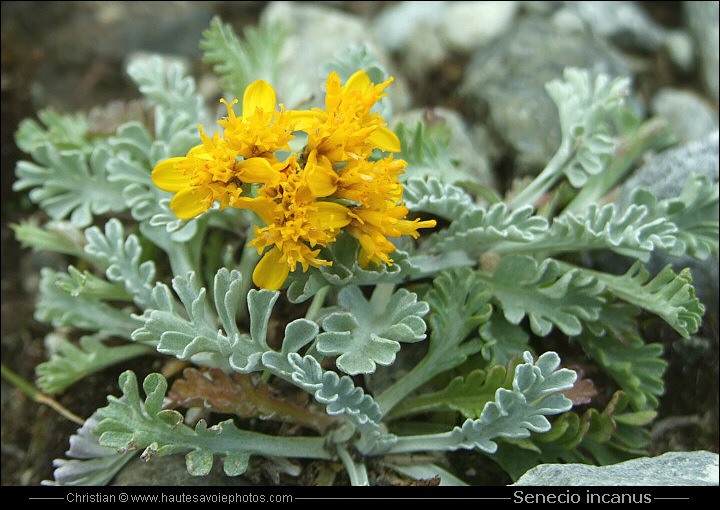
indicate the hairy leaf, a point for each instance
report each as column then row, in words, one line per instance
column 584, row 108
column 513, row 413
column 545, row 293
column 71, row 363
column 365, row 333
column 59, row 308
column 122, row 260
column 62, row 131
column 89, row 462
column 70, row 184
column 436, row 197
column 670, row 296
column 130, row 423
column 480, row 229
column 237, row 62
column 459, row 302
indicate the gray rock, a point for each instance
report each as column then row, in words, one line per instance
column 427, row 33
column 665, row 173
column 317, row 35
column 411, row 29
column 623, row 23
column 671, row 469
column 680, row 49
column 466, row 26
column 505, row 83
column 689, row 116
column 703, row 19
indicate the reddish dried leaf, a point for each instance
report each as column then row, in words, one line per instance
column 239, row 395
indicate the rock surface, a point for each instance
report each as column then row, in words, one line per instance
column 669, row 469
column 505, row 83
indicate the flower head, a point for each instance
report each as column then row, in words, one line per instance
column 347, row 129
column 297, row 221
column 216, row 170
column 261, row 130
column 304, row 202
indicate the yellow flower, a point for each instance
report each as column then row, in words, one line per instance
column 304, row 203
column 297, row 223
column 210, row 172
column 376, row 187
column 216, row 170
column 372, row 228
column 346, row 129
column 261, row 130
column 371, row 183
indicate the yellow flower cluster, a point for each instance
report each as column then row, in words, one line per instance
column 306, row 200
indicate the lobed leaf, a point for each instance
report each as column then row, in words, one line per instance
column 366, row 333
column 547, row 294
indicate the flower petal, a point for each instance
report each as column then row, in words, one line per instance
column 168, row 177
column 305, row 119
column 358, row 81
column 258, row 94
column 261, row 206
column 258, row 170
column 321, row 178
column 190, row 202
column 384, row 139
column 330, row 215
column 272, row 270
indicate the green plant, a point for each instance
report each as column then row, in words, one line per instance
column 173, row 272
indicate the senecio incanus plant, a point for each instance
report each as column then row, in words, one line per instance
column 295, row 250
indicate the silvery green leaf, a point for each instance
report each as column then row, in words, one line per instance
column 121, row 258
column 191, row 330
column 634, row 233
column 584, row 109
column 237, row 62
column 670, row 296
column 365, row 333
column 425, row 148
column 502, row 340
column 694, row 213
column 59, row 308
column 480, row 229
column 342, row 398
column 63, row 131
column 459, row 304
column 436, row 197
column 636, row 366
column 512, row 414
column 166, row 85
column 71, row 363
column 57, row 236
column 89, row 462
column 129, row 423
column 548, row 295
column 70, row 184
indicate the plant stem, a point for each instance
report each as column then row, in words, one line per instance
column 357, row 471
column 317, row 303
column 36, row 395
column 650, row 135
column 248, row 260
